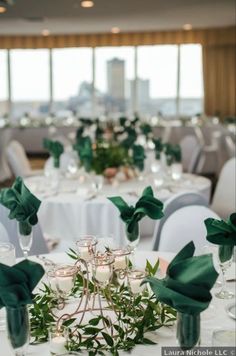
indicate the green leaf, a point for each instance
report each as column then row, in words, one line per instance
column 108, row 339
column 68, row 322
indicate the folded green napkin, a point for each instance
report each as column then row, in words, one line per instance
column 138, row 156
column 79, row 133
column 146, row 129
column 18, row 282
column 131, row 137
column 85, row 152
column 158, row 147
column 188, row 281
column 222, row 233
column 173, row 153
column 98, row 132
column 55, row 149
column 122, row 121
column 147, row 205
column 23, row 205
column 16, row 286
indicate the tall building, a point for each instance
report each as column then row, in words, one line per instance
column 116, row 78
column 143, row 93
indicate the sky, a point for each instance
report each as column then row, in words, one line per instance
column 72, row 66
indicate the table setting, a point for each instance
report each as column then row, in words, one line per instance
column 98, row 299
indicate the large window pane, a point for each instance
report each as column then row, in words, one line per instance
column 114, row 80
column 30, row 82
column 72, row 80
column 157, row 79
column 191, row 80
column 3, row 82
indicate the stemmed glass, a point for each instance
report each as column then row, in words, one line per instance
column 25, row 241
column 224, row 293
column 97, row 183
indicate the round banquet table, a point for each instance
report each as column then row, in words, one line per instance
column 164, row 336
column 74, row 211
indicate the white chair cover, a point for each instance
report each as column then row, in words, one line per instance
column 191, row 151
column 17, row 159
column 39, row 245
column 3, row 234
column 184, row 225
column 223, row 202
column 5, row 172
column 230, row 146
column 173, row 204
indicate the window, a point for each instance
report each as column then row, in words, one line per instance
column 30, row 82
column 191, row 80
column 114, row 78
column 72, row 81
column 3, row 83
column 157, row 79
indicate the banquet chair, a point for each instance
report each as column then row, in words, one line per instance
column 5, row 172
column 3, row 234
column 230, row 146
column 173, row 204
column 39, row 244
column 184, row 225
column 191, row 151
column 18, row 160
column 224, row 199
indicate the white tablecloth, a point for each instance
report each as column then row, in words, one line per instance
column 68, row 215
column 165, row 336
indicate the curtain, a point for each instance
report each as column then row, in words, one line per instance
column 219, row 73
column 213, row 36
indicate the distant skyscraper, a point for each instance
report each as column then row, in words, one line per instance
column 143, row 93
column 116, row 78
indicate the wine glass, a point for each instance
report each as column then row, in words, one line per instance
column 224, row 293
column 25, row 241
column 97, row 183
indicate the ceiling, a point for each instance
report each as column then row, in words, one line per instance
column 67, row 16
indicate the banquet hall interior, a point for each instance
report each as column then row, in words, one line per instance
column 117, row 149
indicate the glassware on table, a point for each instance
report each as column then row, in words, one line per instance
column 188, row 330
column 72, row 166
column 97, row 183
column 86, row 247
column 58, row 340
column 133, row 239
column 176, row 171
column 25, row 241
column 224, row 293
column 158, row 180
column 102, row 267
column 7, row 257
column 121, row 259
column 18, row 329
column 224, row 338
column 156, row 166
column 65, row 279
column 135, row 279
column 52, row 281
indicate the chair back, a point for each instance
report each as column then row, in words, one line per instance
column 38, row 246
column 191, row 151
column 230, row 146
column 184, row 225
column 17, row 159
column 3, row 234
column 173, row 204
column 223, row 202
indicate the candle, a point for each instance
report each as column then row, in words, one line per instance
column 53, row 284
column 57, row 345
column 85, row 253
column 135, row 286
column 102, row 273
column 120, row 262
column 65, row 284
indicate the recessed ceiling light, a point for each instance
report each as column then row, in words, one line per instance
column 187, row 27
column 2, row 9
column 87, row 3
column 45, row 32
column 115, row 30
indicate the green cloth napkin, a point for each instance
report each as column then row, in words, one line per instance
column 138, row 156
column 16, row 286
column 147, row 205
column 23, row 205
column 158, row 147
column 55, row 149
column 131, row 137
column 122, row 120
column 18, row 282
column 188, row 281
column 146, row 129
column 79, row 133
column 173, row 153
column 85, row 152
column 222, row 233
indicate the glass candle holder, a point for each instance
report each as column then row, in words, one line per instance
column 86, row 247
column 65, row 279
column 58, row 339
column 176, row 171
column 121, row 259
column 135, row 278
column 103, row 268
column 7, row 254
column 52, row 280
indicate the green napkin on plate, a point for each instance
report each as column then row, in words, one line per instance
column 147, row 205
column 138, row 156
column 222, row 233
column 85, row 152
column 23, row 205
column 55, row 149
column 186, row 288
